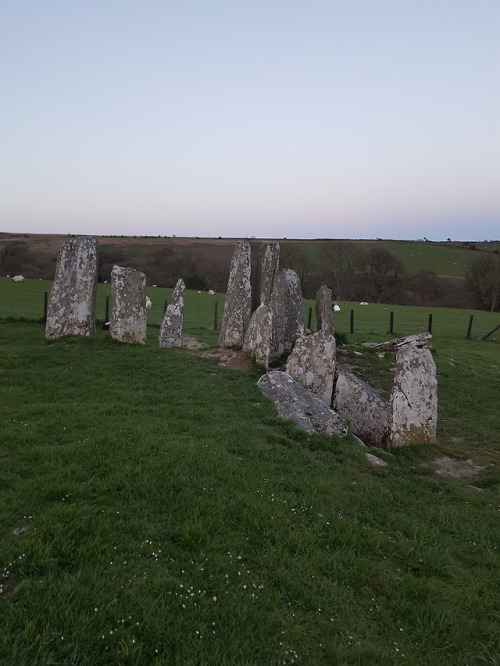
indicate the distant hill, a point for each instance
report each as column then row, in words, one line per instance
column 204, row 262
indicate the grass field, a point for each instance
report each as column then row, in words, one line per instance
column 154, row 510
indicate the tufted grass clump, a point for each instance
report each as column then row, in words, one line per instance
column 155, row 511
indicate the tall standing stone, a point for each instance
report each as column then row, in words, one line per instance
column 128, row 305
column 277, row 305
column 312, row 364
column 171, row 326
column 238, row 304
column 294, row 307
column 71, row 306
column 269, row 266
column 413, row 401
column 324, row 309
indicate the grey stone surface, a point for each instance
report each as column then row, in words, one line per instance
column 71, row 306
column 419, row 339
column 171, row 325
column 293, row 401
column 238, row 303
column 294, row 308
column 269, row 267
column 357, row 402
column 413, row 402
column 324, row 309
column 259, row 335
column 277, row 305
column 128, row 305
column 312, row 364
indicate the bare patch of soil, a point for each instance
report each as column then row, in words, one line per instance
column 192, row 343
column 228, row 358
column 456, row 468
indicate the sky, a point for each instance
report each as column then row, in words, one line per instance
column 273, row 119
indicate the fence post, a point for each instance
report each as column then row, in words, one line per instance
column 429, row 327
column 45, row 306
column 391, row 323
column 309, row 318
column 216, row 323
column 106, row 313
column 351, row 325
column 469, row 328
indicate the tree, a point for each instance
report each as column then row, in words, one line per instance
column 482, row 281
column 387, row 275
column 342, row 262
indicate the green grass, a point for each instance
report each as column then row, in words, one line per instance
column 174, row 520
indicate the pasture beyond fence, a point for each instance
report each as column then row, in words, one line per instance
column 202, row 311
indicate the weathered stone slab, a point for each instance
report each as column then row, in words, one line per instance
column 171, row 325
column 238, row 304
column 324, row 309
column 312, row 364
column 413, row 402
column 294, row 402
column 71, row 306
column 294, row 308
column 128, row 305
column 277, row 305
column 357, row 402
column 269, row 267
column 259, row 335
column 419, row 339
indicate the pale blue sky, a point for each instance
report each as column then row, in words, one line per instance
column 352, row 119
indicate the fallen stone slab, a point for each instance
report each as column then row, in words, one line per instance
column 457, row 468
column 360, row 404
column 296, row 403
column 419, row 339
column 375, row 460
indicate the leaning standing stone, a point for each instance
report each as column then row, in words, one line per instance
column 294, row 305
column 361, row 405
column 238, row 304
column 128, row 305
column 277, row 305
column 312, row 364
column 413, row 402
column 71, row 306
column 171, row 326
column 324, row 309
column 269, row 266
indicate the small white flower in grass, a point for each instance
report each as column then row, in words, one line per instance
column 214, row 598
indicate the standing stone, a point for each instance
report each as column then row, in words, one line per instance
column 259, row 335
column 413, row 402
column 237, row 307
column 171, row 326
column 71, row 306
column 269, row 267
column 360, row 404
column 294, row 308
column 294, row 402
column 324, row 309
column 312, row 364
column 128, row 305
column 277, row 305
